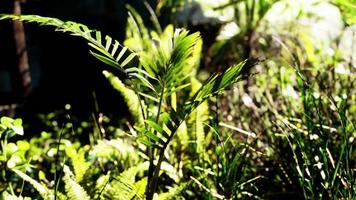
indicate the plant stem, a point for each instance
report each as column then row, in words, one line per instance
column 152, row 175
column 154, row 181
column 56, row 178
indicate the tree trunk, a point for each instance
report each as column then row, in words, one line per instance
column 21, row 52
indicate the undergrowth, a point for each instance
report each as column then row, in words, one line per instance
column 281, row 128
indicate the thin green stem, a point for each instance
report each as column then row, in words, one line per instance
column 216, row 127
column 153, row 183
column 4, row 144
column 56, row 178
column 152, row 175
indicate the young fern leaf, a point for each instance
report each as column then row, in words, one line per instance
column 194, row 60
column 174, row 192
column 45, row 193
column 104, row 49
column 123, row 186
column 137, row 34
column 115, row 150
column 101, row 184
column 131, row 99
column 139, row 189
column 72, row 187
column 197, row 119
column 80, row 166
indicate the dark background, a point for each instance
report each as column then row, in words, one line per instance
column 62, row 71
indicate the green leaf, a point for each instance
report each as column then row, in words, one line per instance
column 114, row 150
column 138, row 189
column 130, row 97
column 17, row 122
column 115, row 47
column 101, row 50
column 23, row 145
column 128, row 59
column 140, row 71
column 122, row 52
column 144, row 140
column 7, row 121
column 125, row 186
column 154, row 125
column 80, row 165
column 106, row 60
column 18, row 130
column 144, row 81
column 93, row 37
column 174, row 192
column 348, row 10
column 73, row 189
column 42, row 190
column 220, row 81
column 149, row 97
column 108, row 43
column 13, row 124
column 2, row 127
column 154, row 137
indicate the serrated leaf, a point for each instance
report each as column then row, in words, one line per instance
column 73, row 189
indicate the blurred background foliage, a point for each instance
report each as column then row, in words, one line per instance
column 286, row 131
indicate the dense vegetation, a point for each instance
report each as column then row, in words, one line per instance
column 278, row 123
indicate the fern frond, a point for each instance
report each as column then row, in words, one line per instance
column 170, row 171
column 73, row 189
column 174, row 192
column 137, row 35
column 7, row 196
column 197, row 119
column 41, row 189
column 101, row 183
column 80, row 166
column 115, row 150
column 194, row 60
column 219, row 82
column 183, row 136
column 123, row 186
column 131, row 99
column 139, row 189
column 104, row 48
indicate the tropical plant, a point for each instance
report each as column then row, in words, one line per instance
column 286, row 132
column 164, row 68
